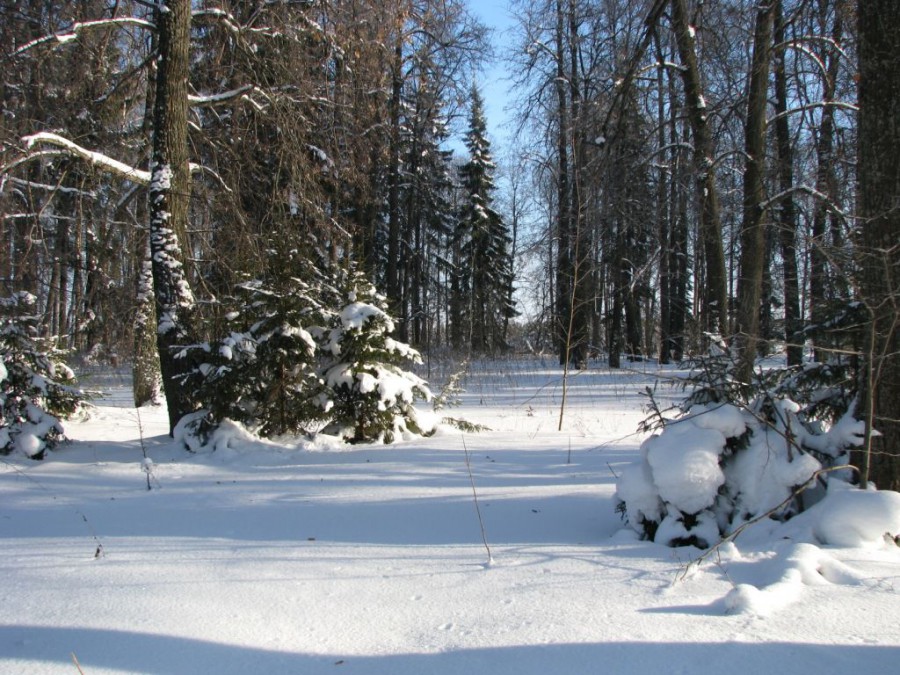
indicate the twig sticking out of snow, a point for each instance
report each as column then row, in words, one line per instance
column 98, row 552
column 477, row 508
column 147, row 463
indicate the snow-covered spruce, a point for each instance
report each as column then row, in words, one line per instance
column 303, row 356
column 717, row 466
column 369, row 396
column 264, row 373
column 37, row 389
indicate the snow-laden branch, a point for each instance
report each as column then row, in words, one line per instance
column 72, row 33
column 31, row 185
column 831, row 42
column 227, row 18
column 230, row 22
column 241, row 92
column 98, row 159
column 812, row 192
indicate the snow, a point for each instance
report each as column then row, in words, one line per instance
column 318, row 557
column 355, row 314
column 685, row 465
column 857, row 518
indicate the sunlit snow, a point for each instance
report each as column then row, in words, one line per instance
column 311, row 556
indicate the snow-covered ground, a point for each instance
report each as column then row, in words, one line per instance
column 266, row 558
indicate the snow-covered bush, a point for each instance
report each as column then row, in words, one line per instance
column 725, row 460
column 37, row 389
column 369, row 396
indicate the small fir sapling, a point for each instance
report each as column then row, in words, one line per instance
column 263, row 374
column 307, row 349
column 38, row 389
column 369, row 396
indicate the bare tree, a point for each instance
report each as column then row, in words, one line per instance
column 753, row 225
column 707, row 190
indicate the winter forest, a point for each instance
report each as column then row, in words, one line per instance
column 176, row 176
column 664, row 304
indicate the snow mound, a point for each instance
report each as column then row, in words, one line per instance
column 804, row 565
column 857, row 518
column 685, row 465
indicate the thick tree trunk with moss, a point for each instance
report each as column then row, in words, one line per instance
column 879, row 242
column 170, row 190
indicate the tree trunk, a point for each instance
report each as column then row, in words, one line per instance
column 581, row 254
column 564, row 280
column 879, row 197
column 716, row 312
column 787, row 211
column 663, row 209
column 170, row 188
column 826, row 184
column 145, row 359
column 753, row 244
column 392, row 282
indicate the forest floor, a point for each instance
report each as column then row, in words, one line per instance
column 298, row 557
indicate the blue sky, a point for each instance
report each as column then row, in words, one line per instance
column 493, row 81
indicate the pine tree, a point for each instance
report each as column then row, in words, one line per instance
column 485, row 268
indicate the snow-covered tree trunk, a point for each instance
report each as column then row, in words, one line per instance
column 170, row 186
column 145, row 365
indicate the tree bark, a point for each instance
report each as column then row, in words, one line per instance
column 169, row 195
column 716, row 310
column 753, row 244
column 879, row 204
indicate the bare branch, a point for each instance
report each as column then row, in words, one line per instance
column 812, row 106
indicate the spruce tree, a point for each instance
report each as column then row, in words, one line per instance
column 37, row 389
column 485, row 274
column 368, row 396
column 263, row 373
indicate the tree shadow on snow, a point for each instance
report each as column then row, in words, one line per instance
column 49, row 649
